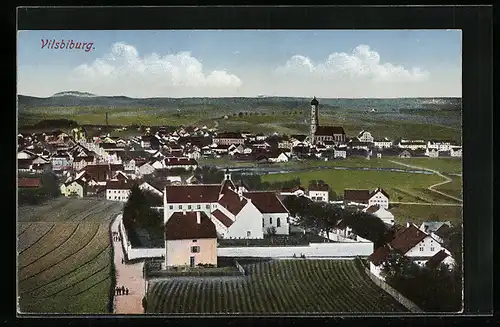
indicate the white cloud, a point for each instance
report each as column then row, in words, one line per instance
column 124, row 64
column 362, row 64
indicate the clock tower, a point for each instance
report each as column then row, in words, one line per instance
column 314, row 119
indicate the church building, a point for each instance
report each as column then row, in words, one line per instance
column 320, row 134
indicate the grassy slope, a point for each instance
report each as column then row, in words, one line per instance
column 419, row 213
column 443, row 165
column 339, row 180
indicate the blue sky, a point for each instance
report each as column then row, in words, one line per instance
column 326, row 63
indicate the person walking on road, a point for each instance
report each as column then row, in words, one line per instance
column 126, row 291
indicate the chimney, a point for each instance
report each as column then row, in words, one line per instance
column 408, row 224
column 198, row 217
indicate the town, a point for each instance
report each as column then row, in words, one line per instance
column 213, row 203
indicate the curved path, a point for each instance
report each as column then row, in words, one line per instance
column 130, row 276
column 431, row 188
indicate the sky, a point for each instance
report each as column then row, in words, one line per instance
column 242, row 63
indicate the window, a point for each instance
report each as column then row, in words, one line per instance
column 189, row 206
column 421, row 249
column 180, row 206
column 278, row 222
column 207, row 206
column 194, row 241
column 249, row 233
column 171, row 207
column 195, row 249
column 198, row 206
column 262, row 222
column 432, row 249
column 271, row 220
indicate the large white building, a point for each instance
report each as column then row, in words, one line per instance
column 118, row 190
column 366, row 197
column 235, row 212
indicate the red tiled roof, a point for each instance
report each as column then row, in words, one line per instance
column 120, row 184
column 100, row 173
column 357, row 195
column 329, row 130
column 266, row 202
column 26, row 182
column 182, row 226
column 407, row 239
column 443, row 231
column 227, row 184
column 373, row 208
column 222, row 218
column 436, row 259
column 180, row 162
column 193, row 193
column 24, row 163
column 87, row 158
column 379, row 255
column 231, row 201
column 319, row 187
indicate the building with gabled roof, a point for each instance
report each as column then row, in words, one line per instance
column 190, row 240
column 366, row 197
column 411, row 242
column 235, row 212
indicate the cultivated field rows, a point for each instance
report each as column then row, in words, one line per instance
column 65, row 264
column 284, row 286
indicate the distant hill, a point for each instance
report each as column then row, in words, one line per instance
column 85, row 99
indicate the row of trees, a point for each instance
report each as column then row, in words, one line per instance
column 324, row 217
column 137, row 212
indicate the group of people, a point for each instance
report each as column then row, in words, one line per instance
column 116, row 237
column 121, row 290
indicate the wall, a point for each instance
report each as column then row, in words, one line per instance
column 392, row 292
column 314, row 250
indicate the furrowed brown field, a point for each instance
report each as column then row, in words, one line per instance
column 64, row 256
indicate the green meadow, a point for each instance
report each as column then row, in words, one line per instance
column 420, row 213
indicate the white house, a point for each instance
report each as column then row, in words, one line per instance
column 274, row 213
column 367, row 197
column 456, row 151
column 419, row 246
column 282, row 157
column 382, row 213
column 158, row 164
column 384, row 143
column 318, row 192
column 74, row 187
column 441, row 145
column 431, row 153
column 365, row 136
column 118, row 190
column 437, row 229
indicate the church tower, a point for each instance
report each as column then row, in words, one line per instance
column 314, row 119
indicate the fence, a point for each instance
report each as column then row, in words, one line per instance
column 137, row 253
column 392, row 292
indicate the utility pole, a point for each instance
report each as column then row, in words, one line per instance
column 106, row 118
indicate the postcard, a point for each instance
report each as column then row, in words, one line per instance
column 239, row 172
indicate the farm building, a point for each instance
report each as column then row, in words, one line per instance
column 367, row 197
column 75, row 187
column 415, row 244
column 190, row 240
column 118, row 190
column 318, row 192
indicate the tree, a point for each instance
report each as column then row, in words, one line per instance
column 240, row 114
column 332, row 195
column 368, row 226
column 271, row 230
